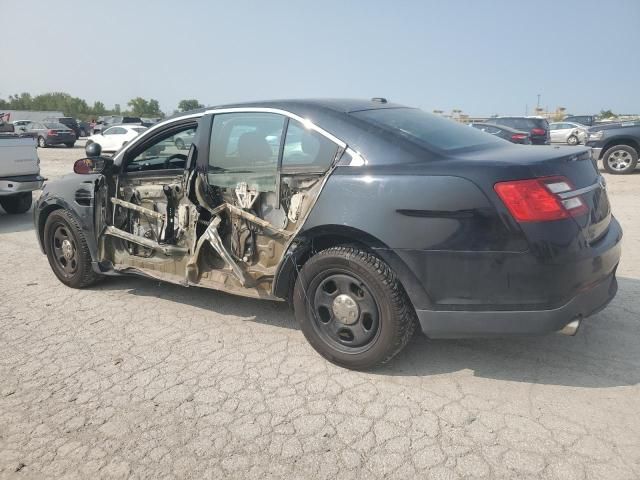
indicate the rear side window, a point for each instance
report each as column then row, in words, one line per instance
column 308, row 149
column 244, row 148
column 427, row 129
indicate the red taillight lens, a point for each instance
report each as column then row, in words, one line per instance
column 538, row 200
column 518, row 136
column 52, row 132
column 538, row 131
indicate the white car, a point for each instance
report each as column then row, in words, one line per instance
column 116, row 137
column 568, row 132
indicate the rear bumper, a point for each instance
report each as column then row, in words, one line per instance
column 460, row 324
column 523, row 296
column 21, row 184
column 59, row 139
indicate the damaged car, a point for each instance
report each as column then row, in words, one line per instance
column 372, row 219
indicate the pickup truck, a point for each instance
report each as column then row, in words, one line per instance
column 617, row 145
column 19, row 170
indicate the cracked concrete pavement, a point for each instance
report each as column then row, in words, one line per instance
column 138, row 379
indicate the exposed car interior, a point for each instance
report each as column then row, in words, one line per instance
column 227, row 228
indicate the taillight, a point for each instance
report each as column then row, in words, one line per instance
column 518, row 136
column 540, row 199
column 538, row 131
column 51, row 132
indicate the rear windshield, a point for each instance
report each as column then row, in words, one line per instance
column 56, row 126
column 138, row 129
column 131, row 120
column 427, row 129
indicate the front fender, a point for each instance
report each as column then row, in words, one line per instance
column 75, row 194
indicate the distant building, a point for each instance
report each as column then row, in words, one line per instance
column 36, row 116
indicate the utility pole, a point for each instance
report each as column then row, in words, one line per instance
column 538, row 104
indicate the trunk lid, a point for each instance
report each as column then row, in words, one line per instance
column 588, row 185
column 575, row 164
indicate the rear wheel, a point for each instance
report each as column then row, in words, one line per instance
column 179, row 144
column 42, row 143
column 352, row 308
column 70, row 144
column 572, row 140
column 67, row 250
column 620, row 159
column 16, row 204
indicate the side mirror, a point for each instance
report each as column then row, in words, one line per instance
column 86, row 166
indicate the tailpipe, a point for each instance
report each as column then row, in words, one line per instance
column 571, row 328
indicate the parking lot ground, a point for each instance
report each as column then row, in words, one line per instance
column 135, row 378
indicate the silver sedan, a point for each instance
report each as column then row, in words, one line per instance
column 568, row 132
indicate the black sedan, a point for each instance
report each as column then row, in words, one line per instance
column 51, row 133
column 370, row 218
column 510, row 134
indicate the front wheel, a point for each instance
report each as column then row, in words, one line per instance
column 572, row 140
column 352, row 308
column 67, row 250
column 70, row 144
column 42, row 143
column 620, row 159
column 16, row 204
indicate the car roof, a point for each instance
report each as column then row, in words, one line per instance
column 339, row 105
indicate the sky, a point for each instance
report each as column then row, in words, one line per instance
column 482, row 57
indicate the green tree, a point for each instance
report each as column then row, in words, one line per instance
column 144, row 108
column 98, row 108
column 189, row 104
column 607, row 114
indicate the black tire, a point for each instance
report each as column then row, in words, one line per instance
column 372, row 285
column 83, row 132
column 620, row 159
column 572, row 140
column 179, row 144
column 70, row 144
column 74, row 268
column 42, row 143
column 16, row 204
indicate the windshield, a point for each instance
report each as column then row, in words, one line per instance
column 429, row 130
column 138, row 129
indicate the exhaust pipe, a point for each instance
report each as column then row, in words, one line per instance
column 571, row 328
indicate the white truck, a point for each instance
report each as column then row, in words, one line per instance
column 19, row 170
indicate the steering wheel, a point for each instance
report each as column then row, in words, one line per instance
column 181, row 156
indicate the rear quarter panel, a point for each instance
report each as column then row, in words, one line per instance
column 405, row 217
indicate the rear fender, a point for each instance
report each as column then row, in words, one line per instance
column 311, row 241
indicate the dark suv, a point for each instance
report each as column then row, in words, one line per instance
column 537, row 127
column 588, row 120
column 68, row 122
